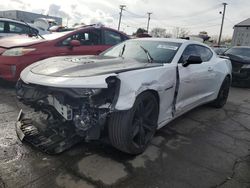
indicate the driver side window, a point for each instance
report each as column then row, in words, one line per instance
column 87, row 38
column 190, row 50
column 196, row 50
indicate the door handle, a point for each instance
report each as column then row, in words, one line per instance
column 210, row 69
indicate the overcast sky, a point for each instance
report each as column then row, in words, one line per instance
column 194, row 15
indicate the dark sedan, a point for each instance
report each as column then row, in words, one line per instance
column 240, row 58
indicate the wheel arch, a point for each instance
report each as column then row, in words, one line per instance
column 127, row 99
column 155, row 93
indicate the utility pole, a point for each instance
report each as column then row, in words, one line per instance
column 149, row 14
column 122, row 8
column 222, row 22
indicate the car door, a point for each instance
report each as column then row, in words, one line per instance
column 196, row 81
column 90, row 43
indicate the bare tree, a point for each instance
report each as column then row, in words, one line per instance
column 179, row 32
column 158, row 32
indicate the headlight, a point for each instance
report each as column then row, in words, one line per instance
column 17, row 51
column 246, row 66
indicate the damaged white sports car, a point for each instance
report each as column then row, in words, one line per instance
column 125, row 94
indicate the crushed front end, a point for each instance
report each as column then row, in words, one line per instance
column 64, row 116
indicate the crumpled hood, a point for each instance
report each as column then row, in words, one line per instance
column 85, row 66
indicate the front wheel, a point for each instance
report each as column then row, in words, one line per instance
column 131, row 131
column 221, row 99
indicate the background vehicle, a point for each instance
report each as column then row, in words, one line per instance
column 10, row 27
column 240, row 58
column 127, row 92
column 16, row 53
column 45, row 23
column 59, row 28
column 220, row 50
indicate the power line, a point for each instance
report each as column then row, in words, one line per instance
column 234, row 23
column 134, row 14
column 204, row 11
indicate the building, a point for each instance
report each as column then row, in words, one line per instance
column 241, row 35
column 28, row 17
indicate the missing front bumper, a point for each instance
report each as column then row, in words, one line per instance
column 52, row 139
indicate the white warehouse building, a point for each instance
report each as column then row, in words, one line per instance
column 241, row 35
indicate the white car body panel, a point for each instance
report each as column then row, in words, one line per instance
column 197, row 84
column 164, row 79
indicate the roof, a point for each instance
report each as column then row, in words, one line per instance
column 245, row 23
column 11, row 20
column 163, row 39
column 244, row 47
column 181, row 41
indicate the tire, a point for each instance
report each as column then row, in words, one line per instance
column 131, row 131
column 221, row 99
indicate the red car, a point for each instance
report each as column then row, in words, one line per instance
column 18, row 52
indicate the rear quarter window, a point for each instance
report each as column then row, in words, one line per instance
column 112, row 38
column 205, row 53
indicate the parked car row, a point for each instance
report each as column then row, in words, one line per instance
column 124, row 94
column 18, row 52
column 103, row 85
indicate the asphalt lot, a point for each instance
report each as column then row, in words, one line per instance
column 207, row 147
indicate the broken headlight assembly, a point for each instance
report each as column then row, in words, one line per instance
column 86, row 108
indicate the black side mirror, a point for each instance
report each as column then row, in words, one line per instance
column 192, row 59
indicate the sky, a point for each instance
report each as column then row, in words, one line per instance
column 193, row 15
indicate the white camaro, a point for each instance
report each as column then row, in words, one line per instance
column 127, row 92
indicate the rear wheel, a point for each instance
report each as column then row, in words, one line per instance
column 131, row 131
column 221, row 99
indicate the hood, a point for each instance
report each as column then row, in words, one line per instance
column 239, row 59
column 85, row 66
column 19, row 40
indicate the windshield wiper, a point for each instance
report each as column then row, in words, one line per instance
column 31, row 30
column 122, row 51
column 150, row 59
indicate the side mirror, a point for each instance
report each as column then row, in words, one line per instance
column 192, row 60
column 74, row 43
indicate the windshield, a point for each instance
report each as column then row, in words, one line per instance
column 161, row 52
column 244, row 52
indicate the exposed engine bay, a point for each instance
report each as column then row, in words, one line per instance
column 84, row 110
